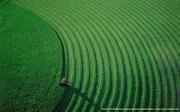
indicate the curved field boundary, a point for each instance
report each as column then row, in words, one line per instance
column 31, row 61
column 118, row 54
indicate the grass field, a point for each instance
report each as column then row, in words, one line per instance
column 30, row 62
column 116, row 54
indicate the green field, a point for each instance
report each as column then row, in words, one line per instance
column 30, row 62
column 115, row 53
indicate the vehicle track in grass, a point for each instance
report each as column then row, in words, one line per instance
column 117, row 53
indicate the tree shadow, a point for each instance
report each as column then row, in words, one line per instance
column 66, row 97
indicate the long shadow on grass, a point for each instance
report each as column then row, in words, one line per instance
column 69, row 91
column 66, row 97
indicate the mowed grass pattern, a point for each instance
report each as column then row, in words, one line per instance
column 118, row 54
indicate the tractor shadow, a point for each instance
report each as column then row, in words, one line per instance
column 66, row 97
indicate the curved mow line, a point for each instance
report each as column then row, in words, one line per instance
column 169, row 62
column 82, row 102
column 111, row 47
column 97, row 71
column 62, row 29
column 141, row 63
column 85, row 82
column 138, row 13
column 116, row 51
column 174, row 4
column 95, row 41
column 146, row 62
column 133, row 52
column 94, row 79
column 176, row 76
column 45, row 13
column 49, row 19
column 171, row 12
column 135, row 59
column 172, row 35
column 86, row 64
column 105, row 24
column 80, row 83
column 152, row 51
column 143, row 58
column 173, row 43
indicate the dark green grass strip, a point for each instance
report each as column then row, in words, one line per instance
column 31, row 61
column 85, row 64
column 65, row 34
